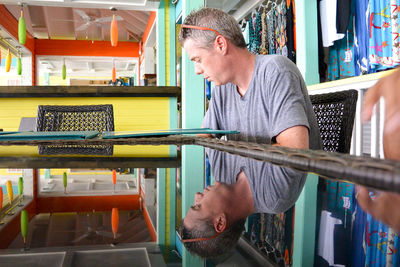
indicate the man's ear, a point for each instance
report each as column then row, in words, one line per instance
column 221, row 44
column 220, row 223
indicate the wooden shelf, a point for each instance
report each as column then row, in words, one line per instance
column 89, row 91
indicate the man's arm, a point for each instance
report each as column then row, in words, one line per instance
column 205, row 135
column 294, row 137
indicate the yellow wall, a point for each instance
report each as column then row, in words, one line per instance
column 130, row 114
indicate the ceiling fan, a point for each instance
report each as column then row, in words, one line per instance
column 90, row 20
column 94, row 229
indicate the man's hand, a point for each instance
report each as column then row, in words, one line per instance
column 385, row 207
column 389, row 88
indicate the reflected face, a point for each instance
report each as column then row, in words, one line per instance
column 207, row 61
column 208, row 204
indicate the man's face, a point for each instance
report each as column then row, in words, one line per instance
column 207, row 204
column 207, row 61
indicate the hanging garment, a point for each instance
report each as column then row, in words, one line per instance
column 289, row 230
column 390, row 248
column 343, row 15
column 326, row 237
column 271, row 24
column 394, row 19
column 341, row 60
column 280, row 30
column 382, row 244
column 358, row 243
column 322, row 66
column 293, row 4
column 361, row 40
column 380, row 35
column 328, row 22
column 376, row 243
column 246, row 33
column 255, row 33
column 264, row 34
column 290, row 32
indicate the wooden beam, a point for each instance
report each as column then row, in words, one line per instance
column 85, row 48
column 89, row 91
column 150, row 23
column 149, row 224
column 21, row 162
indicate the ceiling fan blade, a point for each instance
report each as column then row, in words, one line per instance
column 119, row 18
column 105, row 234
column 63, row 20
column 82, row 13
column 108, row 19
column 76, row 240
column 105, row 26
column 82, row 27
column 104, row 19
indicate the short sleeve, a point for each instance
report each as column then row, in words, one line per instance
column 287, row 104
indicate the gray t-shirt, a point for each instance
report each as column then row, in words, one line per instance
column 275, row 189
column 275, row 100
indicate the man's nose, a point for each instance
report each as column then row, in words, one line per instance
column 197, row 197
column 198, row 70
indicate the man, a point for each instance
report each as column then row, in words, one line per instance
column 386, row 206
column 263, row 97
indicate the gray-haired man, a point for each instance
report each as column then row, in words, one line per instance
column 263, row 97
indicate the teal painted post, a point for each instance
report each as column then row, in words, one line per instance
column 306, row 205
column 173, row 124
column 161, row 173
column 172, row 45
column 161, row 80
column 161, row 177
column 192, row 116
column 173, row 118
column 307, row 40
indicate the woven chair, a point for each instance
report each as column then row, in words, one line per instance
column 76, row 118
column 335, row 115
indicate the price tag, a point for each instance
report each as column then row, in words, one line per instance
column 346, row 202
column 348, row 55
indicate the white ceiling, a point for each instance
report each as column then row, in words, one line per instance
column 70, row 23
column 81, row 20
column 146, row 5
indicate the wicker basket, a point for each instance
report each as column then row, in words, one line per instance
column 76, row 118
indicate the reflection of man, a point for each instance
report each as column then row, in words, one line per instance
column 243, row 186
